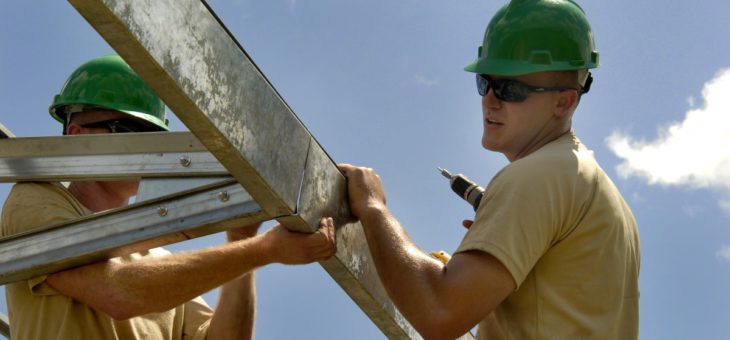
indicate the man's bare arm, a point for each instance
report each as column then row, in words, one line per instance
column 124, row 290
column 440, row 301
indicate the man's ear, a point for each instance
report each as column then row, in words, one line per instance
column 567, row 100
column 74, row 129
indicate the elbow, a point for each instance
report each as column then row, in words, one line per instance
column 120, row 314
column 124, row 310
column 120, row 305
column 112, row 299
column 121, row 309
column 440, row 333
column 441, row 326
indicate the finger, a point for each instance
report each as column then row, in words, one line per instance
column 330, row 229
column 467, row 223
column 326, row 243
column 324, row 229
column 333, row 234
column 321, row 237
column 325, row 222
column 345, row 167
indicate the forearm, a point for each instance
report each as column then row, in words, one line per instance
column 235, row 314
column 411, row 277
column 127, row 289
column 440, row 302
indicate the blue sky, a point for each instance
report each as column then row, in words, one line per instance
column 380, row 83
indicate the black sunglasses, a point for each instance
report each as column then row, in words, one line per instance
column 120, row 126
column 510, row 90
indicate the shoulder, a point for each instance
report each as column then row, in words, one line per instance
column 564, row 161
column 34, row 204
column 44, row 190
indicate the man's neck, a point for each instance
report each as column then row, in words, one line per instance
column 96, row 196
column 539, row 143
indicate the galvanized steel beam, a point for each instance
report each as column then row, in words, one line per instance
column 140, row 226
column 105, row 157
column 102, row 144
column 110, row 167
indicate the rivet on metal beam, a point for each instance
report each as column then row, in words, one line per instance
column 162, row 211
column 223, row 196
column 185, row 161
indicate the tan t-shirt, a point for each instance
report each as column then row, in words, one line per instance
column 37, row 311
column 560, row 226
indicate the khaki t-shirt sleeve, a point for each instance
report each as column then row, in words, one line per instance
column 31, row 206
column 516, row 222
column 197, row 319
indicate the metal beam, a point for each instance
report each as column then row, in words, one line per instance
column 140, row 226
column 106, row 157
column 110, row 167
column 182, row 50
column 102, row 144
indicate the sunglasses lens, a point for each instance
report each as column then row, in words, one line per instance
column 513, row 91
column 120, row 126
column 504, row 89
column 124, row 126
column 482, row 85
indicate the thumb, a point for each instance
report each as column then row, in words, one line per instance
column 467, row 223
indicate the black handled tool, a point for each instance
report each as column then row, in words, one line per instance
column 465, row 188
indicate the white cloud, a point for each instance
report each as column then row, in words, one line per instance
column 423, row 81
column 724, row 204
column 637, row 197
column 723, row 253
column 694, row 152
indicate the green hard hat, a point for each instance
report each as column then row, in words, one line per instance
column 109, row 83
column 528, row 36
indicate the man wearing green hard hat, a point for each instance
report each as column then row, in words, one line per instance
column 553, row 250
column 109, row 84
column 144, row 293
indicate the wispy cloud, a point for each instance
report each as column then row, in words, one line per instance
column 292, row 4
column 724, row 253
column 424, row 81
column 724, row 204
column 694, row 152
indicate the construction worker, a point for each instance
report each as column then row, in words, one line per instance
column 553, row 251
column 144, row 293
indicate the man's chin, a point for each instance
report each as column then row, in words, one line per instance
column 488, row 145
column 128, row 188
